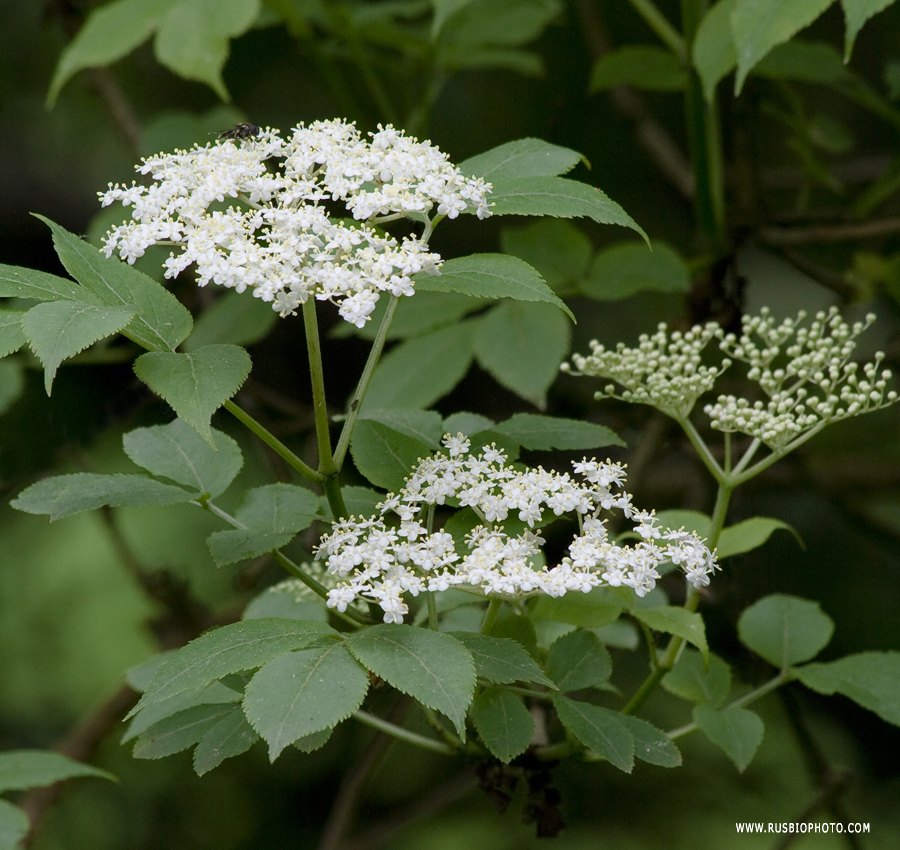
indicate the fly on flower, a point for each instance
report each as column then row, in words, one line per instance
column 239, row 132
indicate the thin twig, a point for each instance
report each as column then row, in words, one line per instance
column 825, row 233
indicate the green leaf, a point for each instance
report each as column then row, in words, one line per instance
column 676, row 621
column 299, row 693
column 492, row 276
column 737, row 731
column 501, row 22
column 12, row 337
column 291, row 599
column 466, row 423
column 385, row 456
column 241, row 544
column 63, row 495
column 443, row 9
column 559, row 197
column 503, row 723
column 599, row 729
column 544, row 433
column 806, row 62
column 421, row 425
column 713, row 52
column 61, row 329
column 640, row 65
column 759, row 25
column 229, row 649
column 16, row 282
column 521, row 346
column 177, row 452
column 432, row 667
column 12, row 383
column 179, row 731
column 591, row 610
column 522, row 158
column 359, row 501
column 501, row 660
column 693, row 679
column 785, row 630
column 231, row 736
column 871, row 679
column 195, row 384
column 857, row 12
column 651, row 745
column 14, row 826
column 688, row 520
column 161, row 323
column 750, row 534
column 578, row 660
column 233, row 318
column 24, row 769
column 626, row 269
column 554, row 246
column 313, row 742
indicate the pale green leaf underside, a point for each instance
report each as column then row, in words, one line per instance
column 239, row 544
column 737, row 731
column 278, row 508
column 651, row 744
column 12, row 336
column 24, row 769
column 785, row 630
column 750, row 534
column 856, row 13
column 694, row 680
column 676, row 621
column 14, row 826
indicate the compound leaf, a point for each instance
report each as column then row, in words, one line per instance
column 504, row 725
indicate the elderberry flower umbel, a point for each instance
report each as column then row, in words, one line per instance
column 251, row 213
column 382, row 558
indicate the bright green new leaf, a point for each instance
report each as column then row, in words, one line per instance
column 713, row 51
column 232, row 318
column 196, row 385
column 12, row 337
column 857, row 12
column 504, row 725
column 591, row 610
column 385, row 456
column 556, row 247
column 433, row 668
column 24, row 769
column 759, row 25
column 544, row 433
column 599, row 729
column 628, row 268
column 61, row 329
column 522, row 158
column 177, row 452
column 491, row 276
column 737, row 731
column 63, row 495
column 421, row 425
column 16, row 282
column 785, row 630
column 240, row 544
column 230, row 649
column 750, row 534
column 299, row 693
column 521, row 346
column 14, row 825
column 501, row 660
column 651, row 744
column 675, row 621
column 578, row 660
column 179, row 731
column 871, row 679
column 559, row 197
column 231, row 736
column 640, row 65
column 693, row 679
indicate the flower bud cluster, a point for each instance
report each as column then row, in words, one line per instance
column 665, row 370
column 250, row 213
column 382, row 561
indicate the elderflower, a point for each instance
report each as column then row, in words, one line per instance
column 251, row 213
column 382, row 561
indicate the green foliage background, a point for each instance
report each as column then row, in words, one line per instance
column 811, row 178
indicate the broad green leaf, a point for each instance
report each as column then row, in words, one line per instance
column 421, row 425
column 359, row 501
column 443, row 9
column 806, row 62
column 61, row 329
column 16, row 282
column 193, row 38
column 418, row 372
column 278, row 508
column 522, row 158
column 759, row 25
column 179, row 731
column 675, row 621
column 600, row 730
column 694, row 680
column 544, row 433
column 176, row 451
column 578, row 660
column 233, row 318
column 161, row 323
column 14, row 825
column 195, row 384
column 737, row 731
column 385, row 456
column 857, row 12
column 559, row 197
column 713, row 52
column 240, row 544
column 302, row 692
column 432, row 667
column 688, row 520
column 24, row 769
column 504, row 725
column 750, row 534
column 521, row 346
column 229, row 649
column 640, row 65
column 501, row 660
column 651, row 745
column 871, row 679
column 311, row 743
column 231, row 736
column 628, row 268
column 501, row 22
column 785, row 630
column 516, row 627
column 62, row 495
column 554, row 246
column 291, row 599
column 591, row 610
column 12, row 337
column 466, row 423
column 492, row 276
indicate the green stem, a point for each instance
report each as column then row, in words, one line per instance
column 660, row 25
column 404, row 734
column 317, row 376
column 432, row 611
column 702, row 449
column 490, row 616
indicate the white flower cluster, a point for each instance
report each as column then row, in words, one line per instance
column 806, row 374
column 381, row 561
column 278, row 238
column 664, row 370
